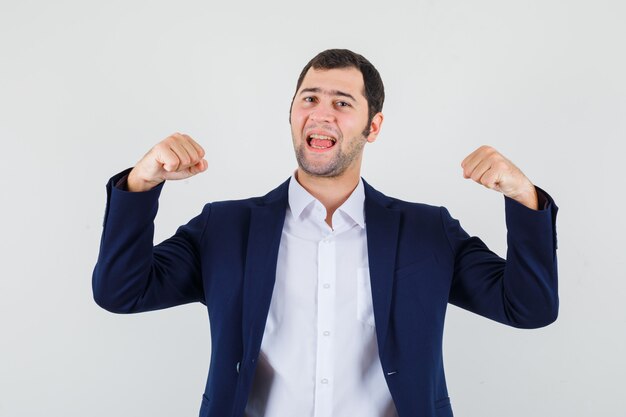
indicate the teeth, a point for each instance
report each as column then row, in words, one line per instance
column 316, row 136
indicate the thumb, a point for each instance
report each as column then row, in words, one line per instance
column 199, row 167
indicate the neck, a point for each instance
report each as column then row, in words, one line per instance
column 332, row 192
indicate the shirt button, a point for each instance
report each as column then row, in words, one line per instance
column 324, row 381
column 326, row 333
column 326, row 286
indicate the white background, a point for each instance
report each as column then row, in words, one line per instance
column 86, row 88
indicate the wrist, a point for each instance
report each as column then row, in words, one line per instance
column 528, row 198
column 135, row 183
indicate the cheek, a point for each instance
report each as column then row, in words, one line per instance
column 296, row 128
column 297, row 120
column 351, row 126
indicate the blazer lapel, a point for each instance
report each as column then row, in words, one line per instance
column 382, row 226
column 266, row 225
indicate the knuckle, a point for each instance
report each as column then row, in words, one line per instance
column 175, row 138
column 501, row 165
column 168, row 141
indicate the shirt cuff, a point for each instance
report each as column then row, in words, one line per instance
column 122, row 183
column 542, row 199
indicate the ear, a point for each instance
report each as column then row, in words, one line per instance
column 375, row 125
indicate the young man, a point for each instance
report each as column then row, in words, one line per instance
column 326, row 297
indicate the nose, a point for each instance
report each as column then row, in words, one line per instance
column 322, row 114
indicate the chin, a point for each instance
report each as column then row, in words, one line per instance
column 321, row 171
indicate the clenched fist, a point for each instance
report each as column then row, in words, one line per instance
column 490, row 168
column 175, row 158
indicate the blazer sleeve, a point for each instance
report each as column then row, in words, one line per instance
column 131, row 275
column 520, row 291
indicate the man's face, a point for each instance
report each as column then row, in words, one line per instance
column 329, row 115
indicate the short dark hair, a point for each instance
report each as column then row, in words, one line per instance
column 343, row 58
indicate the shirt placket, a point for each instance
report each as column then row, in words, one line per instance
column 325, row 326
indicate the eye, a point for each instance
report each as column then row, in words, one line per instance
column 342, row 104
column 309, row 99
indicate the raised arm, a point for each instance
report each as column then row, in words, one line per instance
column 523, row 290
column 131, row 274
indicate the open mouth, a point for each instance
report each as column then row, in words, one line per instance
column 317, row 141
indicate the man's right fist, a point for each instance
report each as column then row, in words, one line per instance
column 175, row 158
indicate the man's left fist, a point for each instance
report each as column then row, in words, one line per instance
column 490, row 168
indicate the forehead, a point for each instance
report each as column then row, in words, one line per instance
column 348, row 80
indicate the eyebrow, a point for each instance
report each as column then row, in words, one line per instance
column 327, row 92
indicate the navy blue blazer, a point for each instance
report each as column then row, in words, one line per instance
column 420, row 260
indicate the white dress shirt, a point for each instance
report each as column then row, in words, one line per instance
column 319, row 356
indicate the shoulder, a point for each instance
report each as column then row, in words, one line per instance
column 375, row 197
column 420, row 225
column 278, row 196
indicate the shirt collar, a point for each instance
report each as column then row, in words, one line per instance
column 353, row 207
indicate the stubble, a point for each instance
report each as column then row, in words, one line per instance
column 335, row 166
